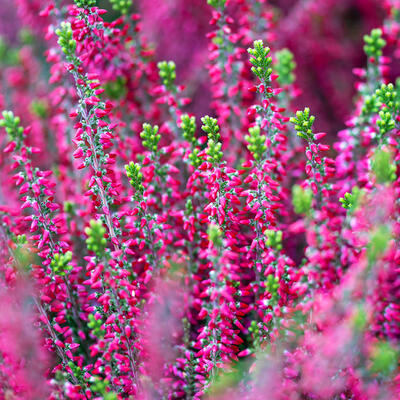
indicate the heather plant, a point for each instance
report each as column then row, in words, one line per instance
column 150, row 251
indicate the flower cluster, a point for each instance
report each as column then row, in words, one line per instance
column 153, row 251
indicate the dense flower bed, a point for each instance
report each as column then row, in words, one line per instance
column 148, row 252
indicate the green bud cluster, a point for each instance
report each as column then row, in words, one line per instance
column 136, row 177
column 374, row 44
column 11, row 125
column 21, row 239
column 65, row 39
column 214, row 235
column 60, row 264
column 254, row 329
column 96, row 241
column 371, row 105
column 188, row 126
column 210, row 126
column 301, row 199
column 256, row 142
column 383, row 167
column 150, row 137
column 351, row 200
column 387, row 95
column 85, row 3
column 303, row 123
column 274, row 239
column 272, row 285
column 385, row 122
column 261, row 61
column 95, row 325
column 167, row 73
column 214, row 151
column 121, row 6
column 285, row 66
column 194, row 158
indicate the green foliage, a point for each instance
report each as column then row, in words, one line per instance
column 26, row 36
column 383, row 167
column 39, row 108
column 100, row 386
column 116, row 89
column 261, row 61
column 303, row 123
column 226, row 380
column 96, row 241
column 136, row 178
column 60, row 264
column 76, row 372
column 8, row 55
column 11, row 125
column 360, row 319
column 150, row 137
column 301, row 199
column 374, row 44
column 95, row 325
column 23, row 257
column 256, row 142
column 189, row 207
column 69, row 207
column 188, row 126
column 65, row 39
column 3, row 49
column 85, row 3
column 214, row 235
column 384, row 359
column 218, row 4
column 351, row 200
column 274, row 239
column 378, row 243
column 167, row 73
column 121, row 6
column 285, row 66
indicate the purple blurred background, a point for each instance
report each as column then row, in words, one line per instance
column 326, row 37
